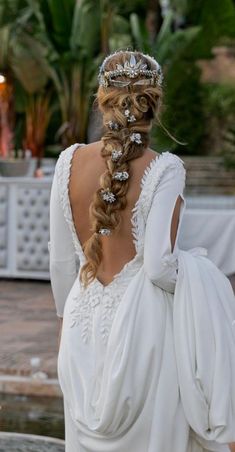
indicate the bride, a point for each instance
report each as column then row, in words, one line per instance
column 147, row 353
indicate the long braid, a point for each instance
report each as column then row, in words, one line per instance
column 127, row 120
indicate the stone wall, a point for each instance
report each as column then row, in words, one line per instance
column 221, row 69
column 207, row 175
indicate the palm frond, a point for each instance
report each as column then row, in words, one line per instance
column 28, row 62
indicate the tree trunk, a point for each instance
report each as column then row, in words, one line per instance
column 153, row 18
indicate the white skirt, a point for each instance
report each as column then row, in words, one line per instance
column 118, row 372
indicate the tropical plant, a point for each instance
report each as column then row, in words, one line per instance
column 5, row 116
column 59, row 46
column 70, row 41
column 22, row 57
column 38, row 113
column 71, row 58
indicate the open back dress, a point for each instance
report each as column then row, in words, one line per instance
column 134, row 354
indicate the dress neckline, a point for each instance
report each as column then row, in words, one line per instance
column 135, row 210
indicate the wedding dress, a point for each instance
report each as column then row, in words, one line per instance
column 146, row 363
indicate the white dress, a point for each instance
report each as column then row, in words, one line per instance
column 141, row 367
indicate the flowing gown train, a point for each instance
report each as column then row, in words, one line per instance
column 146, row 363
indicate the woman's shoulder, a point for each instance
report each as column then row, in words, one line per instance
column 167, row 165
column 173, row 168
column 164, row 166
column 63, row 166
column 173, row 159
column 68, row 152
column 165, row 169
column 76, row 152
column 65, row 156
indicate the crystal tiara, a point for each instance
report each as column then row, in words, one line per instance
column 131, row 70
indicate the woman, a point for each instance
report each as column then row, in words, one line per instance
column 116, row 209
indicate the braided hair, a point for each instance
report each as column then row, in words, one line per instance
column 128, row 113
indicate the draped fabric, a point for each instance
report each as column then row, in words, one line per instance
column 204, row 337
column 146, row 364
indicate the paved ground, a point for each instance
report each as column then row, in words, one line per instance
column 29, row 327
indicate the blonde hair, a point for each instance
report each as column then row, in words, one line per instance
column 141, row 102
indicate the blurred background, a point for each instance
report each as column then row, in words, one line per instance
column 50, row 53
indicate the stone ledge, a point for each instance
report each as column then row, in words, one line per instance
column 17, row 442
column 12, row 384
column 208, row 175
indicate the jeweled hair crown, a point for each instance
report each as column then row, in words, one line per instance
column 130, row 70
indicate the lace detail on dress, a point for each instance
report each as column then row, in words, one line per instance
column 82, row 312
column 107, row 298
column 63, row 168
column 85, row 305
column 149, row 183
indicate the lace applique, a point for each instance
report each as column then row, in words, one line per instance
column 107, row 297
column 149, row 183
column 82, row 312
column 85, row 305
column 63, row 168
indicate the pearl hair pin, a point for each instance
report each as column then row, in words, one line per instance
column 121, row 175
column 136, row 138
column 104, row 231
column 130, row 118
column 116, row 153
column 113, row 125
column 108, row 196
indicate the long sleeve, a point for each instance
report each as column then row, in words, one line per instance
column 62, row 253
column 160, row 250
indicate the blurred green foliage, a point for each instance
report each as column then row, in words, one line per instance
column 217, row 20
column 51, row 48
column 219, row 106
column 187, row 100
column 220, row 99
column 228, row 152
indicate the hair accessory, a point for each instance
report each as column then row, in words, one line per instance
column 113, row 125
column 108, row 196
column 131, row 69
column 116, row 153
column 121, row 175
column 130, row 118
column 104, row 231
column 136, row 138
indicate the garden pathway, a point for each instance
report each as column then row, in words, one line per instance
column 29, row 331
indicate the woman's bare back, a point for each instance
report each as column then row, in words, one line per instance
column 86, row 169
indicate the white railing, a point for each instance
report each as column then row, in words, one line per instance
column 24, row 227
